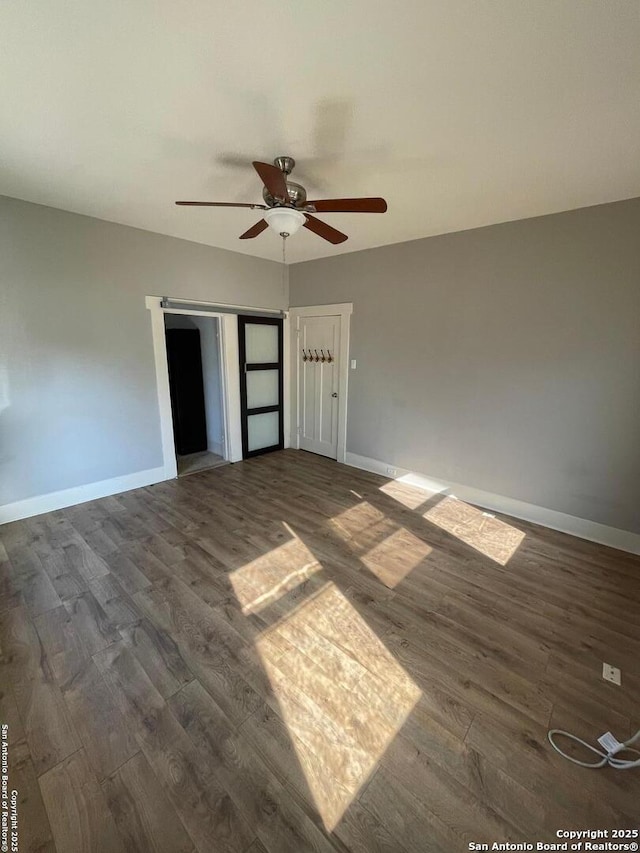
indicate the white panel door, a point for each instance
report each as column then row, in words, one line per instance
column 318, row 390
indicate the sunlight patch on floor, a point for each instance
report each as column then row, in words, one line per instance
column 389, row 551
column 359, row 520
column 395, row 557
column 341, row 693
column 268, row 578
column 404, row 494
column 494, row 538
column 412, row 490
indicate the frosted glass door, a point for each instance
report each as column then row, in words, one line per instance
column 263, row 388
column 263, row 430
column 261, row 343
column 260, row 347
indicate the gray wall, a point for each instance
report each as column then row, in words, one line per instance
column 505, row 358
column 78, row 397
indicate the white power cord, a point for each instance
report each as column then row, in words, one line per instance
column 611, row 747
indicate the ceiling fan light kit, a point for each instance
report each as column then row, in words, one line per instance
column 284, row 220
column 287, row 208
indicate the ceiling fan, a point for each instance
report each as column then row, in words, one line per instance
column 287, row 206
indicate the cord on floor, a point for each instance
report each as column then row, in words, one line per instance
column 607, row 757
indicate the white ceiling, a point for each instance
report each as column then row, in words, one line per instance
column 460, row 112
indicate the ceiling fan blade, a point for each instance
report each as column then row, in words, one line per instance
column 222, row 204
column 273, row 179
column 349, row 205
column 256, row 229
column 323, row 230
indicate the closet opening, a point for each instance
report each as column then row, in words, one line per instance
column 195, row 364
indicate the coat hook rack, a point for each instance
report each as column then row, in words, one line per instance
column 311, row 355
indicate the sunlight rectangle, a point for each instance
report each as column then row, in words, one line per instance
column 362, row 528
column 409, row 496
column 268, row 578
column 395, row 557
column 494, row 538
column 356, row 520
column 341, row 694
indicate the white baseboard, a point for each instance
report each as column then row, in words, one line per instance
column 580, row 527
column 79, row 494
column 624, row 540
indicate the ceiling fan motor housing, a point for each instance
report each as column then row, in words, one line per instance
column 297, row 195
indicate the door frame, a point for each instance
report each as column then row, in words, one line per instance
column 229, row 375
column 343, row 310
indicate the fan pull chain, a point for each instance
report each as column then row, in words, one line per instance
column 284, row 268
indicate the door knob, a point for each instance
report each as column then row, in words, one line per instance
column 335, row 394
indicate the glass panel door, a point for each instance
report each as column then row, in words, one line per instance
column 261, row 342
column 261, row 384
column 263, row 388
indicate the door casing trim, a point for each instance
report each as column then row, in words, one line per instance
column 344, row 310
column 230, row 381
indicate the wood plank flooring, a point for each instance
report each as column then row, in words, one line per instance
column 288, row 654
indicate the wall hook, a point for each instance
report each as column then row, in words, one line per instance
column 317, row 358
column 323, row 359
column 304, row 355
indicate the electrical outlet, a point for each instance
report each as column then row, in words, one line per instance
column 392, row 471
column 611, row 673
column 353, row 364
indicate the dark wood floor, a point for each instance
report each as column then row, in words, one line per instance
column 288, row 654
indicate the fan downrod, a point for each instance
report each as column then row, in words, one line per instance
column 285, row 164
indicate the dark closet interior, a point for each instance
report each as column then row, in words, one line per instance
column 187, row 390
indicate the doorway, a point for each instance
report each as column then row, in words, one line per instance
column 321, row 343
column 194, row 360
column 227, row 319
